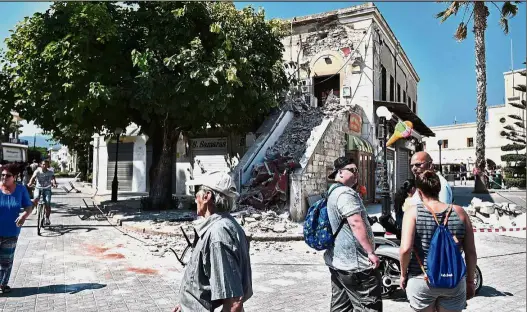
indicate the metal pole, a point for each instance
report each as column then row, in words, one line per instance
column 440, row 166
column 115, row 183
column 386, row 211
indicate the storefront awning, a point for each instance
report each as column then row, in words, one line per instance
column 405, row 113
column 358, row 144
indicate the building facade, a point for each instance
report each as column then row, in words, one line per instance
column 353, row 54
column 459, row 140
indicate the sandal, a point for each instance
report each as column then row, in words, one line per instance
column 5, row 289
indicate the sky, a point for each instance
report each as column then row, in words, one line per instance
column 447, row 88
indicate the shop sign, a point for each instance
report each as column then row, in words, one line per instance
column 355, row 123
column 209, row 144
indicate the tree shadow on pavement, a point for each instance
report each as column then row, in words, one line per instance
column 489, row 291
column 53, row 289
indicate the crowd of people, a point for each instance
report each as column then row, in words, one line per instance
column 218, row 273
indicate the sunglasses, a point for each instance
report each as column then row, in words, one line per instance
column 419, row 165
column 6, row 175
column 352, row 170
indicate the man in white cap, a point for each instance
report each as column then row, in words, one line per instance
column 219, row 270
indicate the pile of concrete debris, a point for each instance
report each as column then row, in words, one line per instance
column 256, row 222
column 267, row 190
column 495, row 215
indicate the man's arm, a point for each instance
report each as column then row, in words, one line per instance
column 359, row 231
column 350, row 207
column 33, row 177
column 226, row 275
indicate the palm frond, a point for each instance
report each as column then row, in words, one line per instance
column 461, row 32
column 452, row 9
column 509, row 9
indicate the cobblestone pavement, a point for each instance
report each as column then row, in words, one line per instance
column 91, row 266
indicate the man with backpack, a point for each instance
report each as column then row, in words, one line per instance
column 355, row 280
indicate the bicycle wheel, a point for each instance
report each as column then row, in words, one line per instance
column 40, row 218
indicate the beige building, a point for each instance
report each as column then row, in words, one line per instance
column 459, row 140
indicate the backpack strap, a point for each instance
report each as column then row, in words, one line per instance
column 331, row 189
column 449, row 211
column 420, row 264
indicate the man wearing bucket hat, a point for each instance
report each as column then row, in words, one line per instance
column 219, row 270
column 355, row 280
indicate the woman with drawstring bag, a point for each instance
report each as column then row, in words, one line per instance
column 434, row 234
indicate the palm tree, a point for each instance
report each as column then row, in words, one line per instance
column 479, row 12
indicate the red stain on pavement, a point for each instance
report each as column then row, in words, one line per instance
column 142, row 271
column 114, row 256
column 96, row 250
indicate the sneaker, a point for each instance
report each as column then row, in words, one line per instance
column 47, row 222
column 34, row 211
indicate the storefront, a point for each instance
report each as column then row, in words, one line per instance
column 362, row 152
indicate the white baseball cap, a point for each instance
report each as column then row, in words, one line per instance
column 218, row 181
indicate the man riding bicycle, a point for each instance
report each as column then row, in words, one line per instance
column 45, row 180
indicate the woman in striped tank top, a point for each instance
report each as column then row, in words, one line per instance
column 418, row 227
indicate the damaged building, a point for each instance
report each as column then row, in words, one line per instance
column 352, row 55
column 345, row 64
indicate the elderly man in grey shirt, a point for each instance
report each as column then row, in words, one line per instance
column 219, row 270
column 355, row 280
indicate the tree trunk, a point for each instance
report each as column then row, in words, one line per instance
column 163, row 148
column 480, row 25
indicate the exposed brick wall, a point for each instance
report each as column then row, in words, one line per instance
column 312, row 179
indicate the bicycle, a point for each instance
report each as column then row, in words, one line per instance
column 40, row 216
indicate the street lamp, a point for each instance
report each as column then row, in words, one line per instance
column 440, row 143
column 384, row 116
column 115, row 183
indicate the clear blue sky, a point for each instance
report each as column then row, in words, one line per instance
column 446, row 67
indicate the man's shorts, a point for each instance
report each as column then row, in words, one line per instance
column 421, row 295
column 46, row 193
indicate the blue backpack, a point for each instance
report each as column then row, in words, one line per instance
column 317, row 228
column 445, row 264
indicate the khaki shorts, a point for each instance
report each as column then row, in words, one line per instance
column 421, row 295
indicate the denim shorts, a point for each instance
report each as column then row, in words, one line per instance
column 46, row 193
column 421, row 295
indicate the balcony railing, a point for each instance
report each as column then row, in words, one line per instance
column 18, row 141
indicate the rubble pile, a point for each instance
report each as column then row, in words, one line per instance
column 495, row 215
column 267, row 189
column 255, row 221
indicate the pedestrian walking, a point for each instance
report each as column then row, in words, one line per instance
column 463, row 173
column 419, row 235
column 13, row 196
column 219, row 270
column 352, row 262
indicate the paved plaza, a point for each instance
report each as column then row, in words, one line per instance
column 92, row 266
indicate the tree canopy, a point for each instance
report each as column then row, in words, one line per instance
column 87, row 67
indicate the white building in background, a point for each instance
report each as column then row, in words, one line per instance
column 67, row 161
column 459, row 140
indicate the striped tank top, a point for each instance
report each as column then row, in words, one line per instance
column 425, row 227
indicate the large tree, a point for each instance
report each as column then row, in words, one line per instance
column 478, row 14
column 169, row 67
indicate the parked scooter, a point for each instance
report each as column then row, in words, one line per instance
column 387, row 249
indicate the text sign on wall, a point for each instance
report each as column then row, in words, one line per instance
column 209, row 144
column 355, row 123
column 12, row 154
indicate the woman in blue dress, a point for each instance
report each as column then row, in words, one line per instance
column 13, row 196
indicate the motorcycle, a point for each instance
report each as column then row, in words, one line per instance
column 387, row 249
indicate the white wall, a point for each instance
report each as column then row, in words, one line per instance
column 139, row 173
